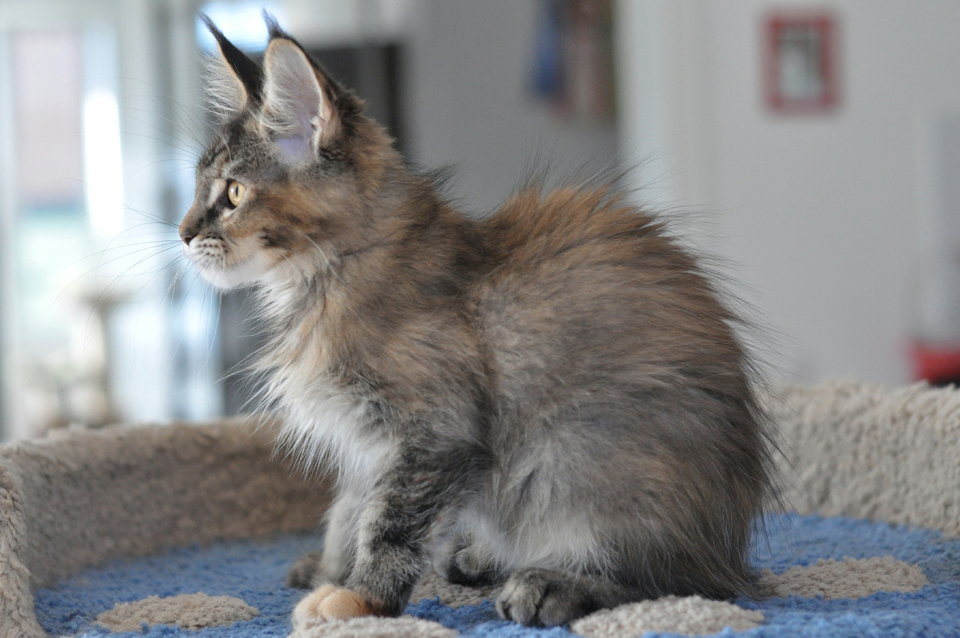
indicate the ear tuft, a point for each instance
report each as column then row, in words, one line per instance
column 234, row 79
column 273, row 27
column 297, row 110
column 226, row 93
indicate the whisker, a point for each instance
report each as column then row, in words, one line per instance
column 175, row 317
column 95, row 268
column 185, row 145
column 112, row 286
column 168, row 100
column 156, row 219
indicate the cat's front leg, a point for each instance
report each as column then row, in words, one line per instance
column 396, row 524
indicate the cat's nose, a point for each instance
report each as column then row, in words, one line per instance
column 187, row 236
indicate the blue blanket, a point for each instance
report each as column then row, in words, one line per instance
column 254, row 571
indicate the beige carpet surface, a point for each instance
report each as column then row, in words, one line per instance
column 187, row 611
column 403, row 627
column 849, row 578
column 869, row 451
column 687, row 616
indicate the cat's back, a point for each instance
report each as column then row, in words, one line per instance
column 537, row 228
column 589, row 289
column 585, row 246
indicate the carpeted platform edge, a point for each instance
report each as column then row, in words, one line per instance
column 17, row 616
column 852, row 449
column 868, row 451
column 81, row 498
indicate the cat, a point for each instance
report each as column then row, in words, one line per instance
column 554, row 396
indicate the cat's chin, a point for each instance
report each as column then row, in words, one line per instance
column 248, row 272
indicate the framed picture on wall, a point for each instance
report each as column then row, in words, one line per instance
column 800, row 62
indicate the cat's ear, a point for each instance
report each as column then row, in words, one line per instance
column 233, row 80
column 298, row 109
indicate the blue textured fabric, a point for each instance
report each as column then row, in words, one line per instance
column 255, row 570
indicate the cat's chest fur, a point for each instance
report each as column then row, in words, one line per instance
column 324, row 423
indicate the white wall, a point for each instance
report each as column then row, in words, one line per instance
column 819, row 217
column 469, row 62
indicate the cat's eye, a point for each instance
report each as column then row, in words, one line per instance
column 235, row 193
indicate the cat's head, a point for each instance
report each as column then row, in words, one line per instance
column 281, row 185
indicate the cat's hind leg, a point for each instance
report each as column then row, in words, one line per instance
column 303, row 573
column 548, row 597
column 469, row 562
column 335, row 561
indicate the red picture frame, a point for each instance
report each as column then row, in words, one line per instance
column 800, row 68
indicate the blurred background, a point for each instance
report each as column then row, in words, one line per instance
column 813, row 148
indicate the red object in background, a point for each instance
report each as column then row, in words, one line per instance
column 939, row 365
column 800, row 64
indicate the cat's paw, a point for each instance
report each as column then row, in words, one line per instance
column 329, row 602
column 304, row 572
column 541, row 597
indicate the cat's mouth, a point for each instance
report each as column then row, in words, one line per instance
column 227, row 266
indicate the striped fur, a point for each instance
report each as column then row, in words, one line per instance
column 554, row 395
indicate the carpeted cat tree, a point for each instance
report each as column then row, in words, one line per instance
column 873, row 474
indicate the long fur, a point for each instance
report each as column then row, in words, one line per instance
column 555, row 395
column 223, row 89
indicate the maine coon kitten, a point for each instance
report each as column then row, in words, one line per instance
column 553, row 396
